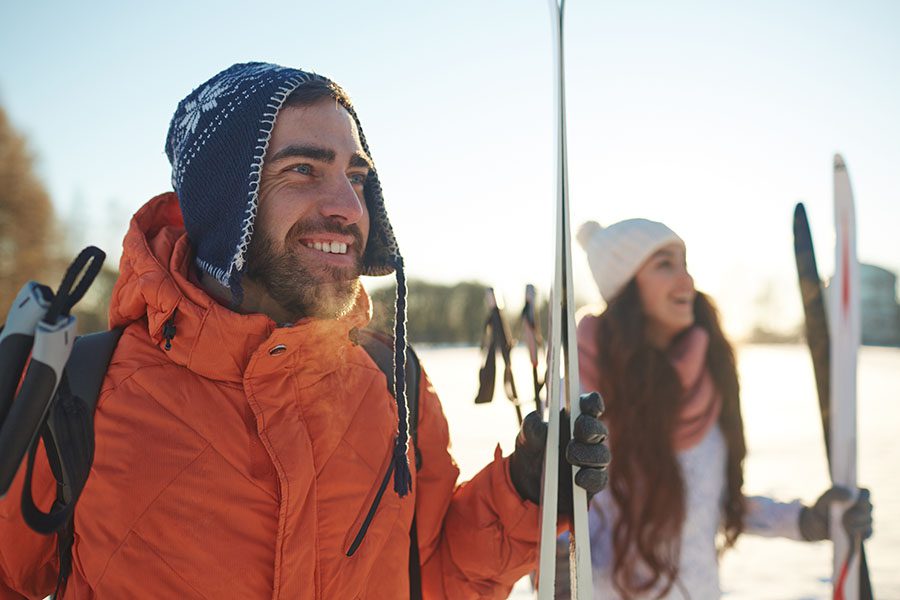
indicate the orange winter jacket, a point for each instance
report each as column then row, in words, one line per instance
column 227, row 469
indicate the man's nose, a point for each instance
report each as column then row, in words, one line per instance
column 342, row 202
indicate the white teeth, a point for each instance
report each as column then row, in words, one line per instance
column 329, row 247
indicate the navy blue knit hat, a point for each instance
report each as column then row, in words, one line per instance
column 216, row 144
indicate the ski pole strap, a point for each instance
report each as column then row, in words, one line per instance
column 65, row 539
column 63, row 508
column 488, row 372
column 89, row 262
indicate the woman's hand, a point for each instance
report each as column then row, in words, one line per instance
column 814, row 520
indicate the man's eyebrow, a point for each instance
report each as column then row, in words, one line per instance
column 320, row 154
column 312, row 152
column 360, row 160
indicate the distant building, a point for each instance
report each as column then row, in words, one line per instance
column 880, row 312
column 879, row 309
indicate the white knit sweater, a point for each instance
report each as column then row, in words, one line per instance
column 703, row 469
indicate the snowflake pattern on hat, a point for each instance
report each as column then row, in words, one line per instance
column 206, row 100
column 216, row 144
column 214, row 102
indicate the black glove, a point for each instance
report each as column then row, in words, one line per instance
column 587, row 450
column 814, row 520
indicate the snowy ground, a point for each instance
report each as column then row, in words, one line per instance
column 786, row 457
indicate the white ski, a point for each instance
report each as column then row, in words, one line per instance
column 562, row 374
column 844, row 324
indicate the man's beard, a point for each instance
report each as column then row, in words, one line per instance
column 301, row 289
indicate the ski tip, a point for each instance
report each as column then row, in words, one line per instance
column 799, row 210
column 839, row 162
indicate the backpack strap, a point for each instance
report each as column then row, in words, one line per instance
column 381, row 349
column 87, row 366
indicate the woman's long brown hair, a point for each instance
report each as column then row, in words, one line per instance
column 643, row 394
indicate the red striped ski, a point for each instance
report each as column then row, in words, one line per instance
column 844, row 325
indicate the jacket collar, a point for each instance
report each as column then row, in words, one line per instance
column 209, row 339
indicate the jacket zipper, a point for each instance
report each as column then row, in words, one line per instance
column 372, row 509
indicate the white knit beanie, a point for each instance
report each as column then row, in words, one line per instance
column 616, row 253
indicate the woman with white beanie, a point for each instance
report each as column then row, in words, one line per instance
column 667, row 374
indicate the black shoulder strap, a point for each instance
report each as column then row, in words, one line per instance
column 87, row 365
column 381, row 349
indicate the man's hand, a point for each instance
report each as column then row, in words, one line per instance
column 586, row 450
column 814, row 520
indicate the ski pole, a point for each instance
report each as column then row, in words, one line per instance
column 497, row 338
column 17, row 338
column 52, row 344
column 531, row 332
column 505, row 343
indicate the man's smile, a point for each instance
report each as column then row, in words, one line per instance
column 333, row 249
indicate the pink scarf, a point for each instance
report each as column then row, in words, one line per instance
column 701, row 404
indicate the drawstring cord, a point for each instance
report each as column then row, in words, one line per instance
column 402, row 475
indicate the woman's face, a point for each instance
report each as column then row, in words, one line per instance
column 667, row 294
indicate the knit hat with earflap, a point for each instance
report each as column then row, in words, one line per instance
column 616, row 253
column 217, row 143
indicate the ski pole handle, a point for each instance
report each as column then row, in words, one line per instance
column 52, row 347
column 17, row 337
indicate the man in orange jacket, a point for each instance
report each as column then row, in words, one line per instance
column 245, row 441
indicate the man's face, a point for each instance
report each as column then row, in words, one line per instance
column 313, row 223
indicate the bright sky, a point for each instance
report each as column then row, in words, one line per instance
column 714, row 117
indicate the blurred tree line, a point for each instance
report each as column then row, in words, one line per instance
column 443, row 314
column 33, row 244
column 26, row 216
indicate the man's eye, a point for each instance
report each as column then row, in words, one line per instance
column 357, row 178
column 303, row 169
